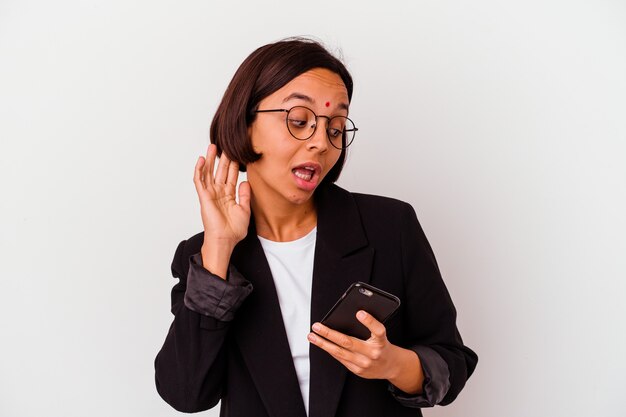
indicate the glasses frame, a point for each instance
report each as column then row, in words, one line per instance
column 315, row 128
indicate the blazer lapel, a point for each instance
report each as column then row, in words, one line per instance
column 261, row 334
column 341, row 258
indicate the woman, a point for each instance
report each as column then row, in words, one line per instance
column 268, row 266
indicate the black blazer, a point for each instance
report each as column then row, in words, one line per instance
column 246, row 362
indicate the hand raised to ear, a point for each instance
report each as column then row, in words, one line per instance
column 225, row 221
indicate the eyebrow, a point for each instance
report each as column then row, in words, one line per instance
column 308, row 99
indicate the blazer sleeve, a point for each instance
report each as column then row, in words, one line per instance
column 190, row 367
column 430, row 318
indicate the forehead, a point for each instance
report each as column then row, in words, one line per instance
column 319, row 84
column 320, row 78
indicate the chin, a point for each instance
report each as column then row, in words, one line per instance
column 300, row 197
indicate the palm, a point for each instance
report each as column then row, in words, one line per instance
column 224, row 220
column 222, row 217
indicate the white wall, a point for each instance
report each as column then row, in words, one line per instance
column 503, row 123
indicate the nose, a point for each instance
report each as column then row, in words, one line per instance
column 319, row 140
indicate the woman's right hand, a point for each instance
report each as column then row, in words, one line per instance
column 225, row 221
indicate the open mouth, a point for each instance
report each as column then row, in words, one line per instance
column 304, row 173
column 307, row 175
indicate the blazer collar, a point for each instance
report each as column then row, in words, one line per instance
column 342, row 256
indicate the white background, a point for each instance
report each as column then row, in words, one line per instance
column 502, row 123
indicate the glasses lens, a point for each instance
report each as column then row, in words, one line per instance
column 301, row 122
column 341, row 131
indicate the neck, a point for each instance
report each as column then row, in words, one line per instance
column 282, row 222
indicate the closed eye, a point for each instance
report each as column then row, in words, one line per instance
column 333, row 133
column 297, row 123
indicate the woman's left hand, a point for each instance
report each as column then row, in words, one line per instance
column 371, row 358
column 374, row 358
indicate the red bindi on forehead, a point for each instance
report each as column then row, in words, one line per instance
column 328, row 104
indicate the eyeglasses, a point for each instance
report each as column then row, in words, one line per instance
column 302, row 123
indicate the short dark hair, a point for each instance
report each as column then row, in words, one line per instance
column 263, row 72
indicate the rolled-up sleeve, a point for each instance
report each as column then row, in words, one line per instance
column 436, row 380
column 212, row 296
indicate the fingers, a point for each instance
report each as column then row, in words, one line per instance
column 334, row 336
column 339, row 352
column 198, row 180
column 207, row 174
column 244, row 195
column 221, row 174
column 227, row 174
column 367, row 359
column 233, row 173
column 203, row 171
column 377, row 329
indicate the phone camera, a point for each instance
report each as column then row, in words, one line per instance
column 365, row 291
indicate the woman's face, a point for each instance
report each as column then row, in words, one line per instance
column 289, row 170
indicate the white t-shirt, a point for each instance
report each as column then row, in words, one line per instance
column 291, row 264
